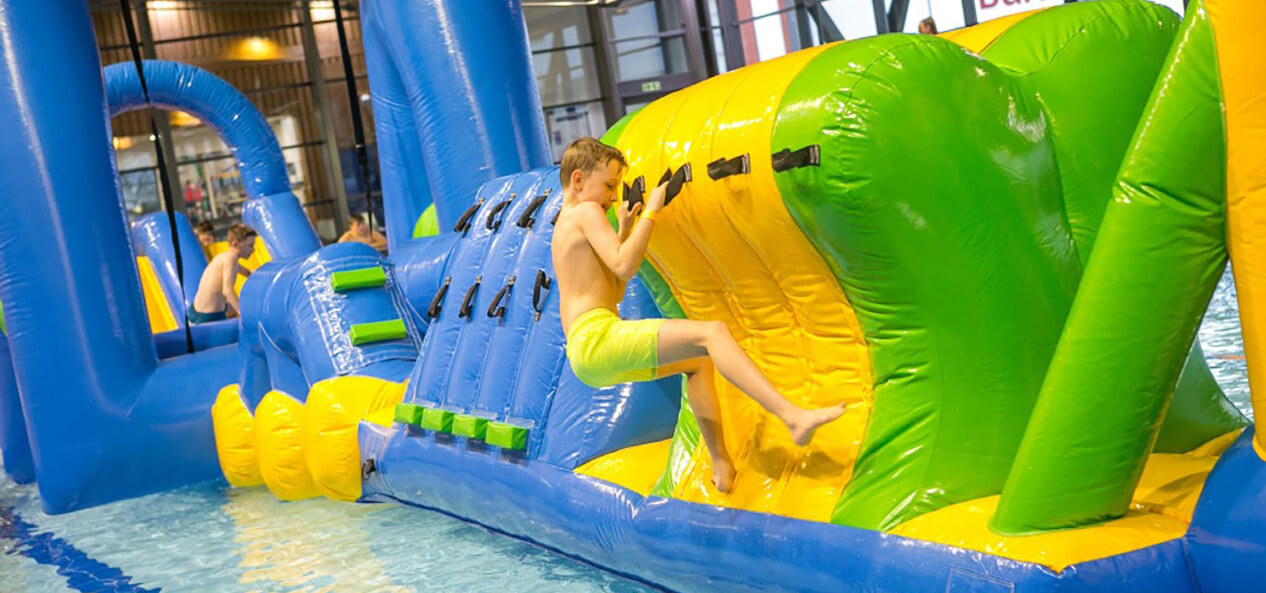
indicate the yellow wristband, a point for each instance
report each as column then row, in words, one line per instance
column 649, row 215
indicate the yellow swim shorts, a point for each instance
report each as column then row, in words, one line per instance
column 606, row 350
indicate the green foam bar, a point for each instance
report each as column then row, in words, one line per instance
column 409, row 414
column 471, row 427
column 506, row 436
column 359, row 278
column 437, row 420
column 378, row 331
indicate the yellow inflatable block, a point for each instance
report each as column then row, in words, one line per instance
column 334, row 410
column 1243, row 77
column 966, row 525
column 156, row 305
column 235, row 438
column 730, row 251
column 279, row 421
column 636, row 468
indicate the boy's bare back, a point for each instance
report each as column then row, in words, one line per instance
column 221, row 272
column 584, row 282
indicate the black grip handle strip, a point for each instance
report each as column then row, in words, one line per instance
column 463, row 223
column 496, row 309
column 675, row 183
column 470, row 296
column 786, row 159
column 538, row 303
column 527, row 219
column 636, row 193
column 493, row 223
column 722, row 168
column 434, row 310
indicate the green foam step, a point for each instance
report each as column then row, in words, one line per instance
column 378, row 331
column 506, row 436
column 409, row 414
column 471, row 427
column 437, row 420
column 359, row 278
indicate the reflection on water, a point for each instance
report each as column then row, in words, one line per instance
column 1223, row 345
column 211, row 538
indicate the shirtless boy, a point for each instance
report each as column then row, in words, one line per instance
column 594, row 263
column 215, row 290
column 361, row 233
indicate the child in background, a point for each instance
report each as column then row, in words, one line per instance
column 361, row 233
column 216, row 289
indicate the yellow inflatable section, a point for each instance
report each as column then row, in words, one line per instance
column 301, row 450
column 233, row 427
column 278, row 431
column 730, row 251
column 1161, row 511
column 334, row 410
column 156, row 305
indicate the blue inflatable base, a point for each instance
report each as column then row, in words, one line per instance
column 682, row 546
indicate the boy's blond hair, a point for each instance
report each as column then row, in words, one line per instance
column 586, row 155
column 239, row 233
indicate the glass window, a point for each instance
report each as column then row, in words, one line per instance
column 645, row 58
column 636, row 18
column 566, row 76
column 555, row 27
column 854, row 18
column 718, row 46
column 564, row 124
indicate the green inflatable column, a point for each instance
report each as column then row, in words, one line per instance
column 1155, row 264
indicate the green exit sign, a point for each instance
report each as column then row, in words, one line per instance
column 652, row 86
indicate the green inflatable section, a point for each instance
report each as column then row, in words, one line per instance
column 428, row 224
column 1156, row 262
column 962, row 270
column 1092, row 123
column 938, row 207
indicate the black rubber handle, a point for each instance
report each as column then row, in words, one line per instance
column 636, row 193
column 368, row 468
column 554, row 221
column 463, row 223
column 722, row 168
column 679, row 179
column 496, row 309
column 527, row 219
column 786, row 159
column 470, row 297
column 434, row 310
column 493, row 222
column 538, row 302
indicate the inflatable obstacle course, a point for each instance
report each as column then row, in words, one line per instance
column 994, row 246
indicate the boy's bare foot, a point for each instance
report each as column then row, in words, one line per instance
column 803, row 423
column 722, row 475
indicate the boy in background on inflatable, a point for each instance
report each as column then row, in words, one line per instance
column 594, row 264
column 216, row 289
column 206, row 237
column 361, row 233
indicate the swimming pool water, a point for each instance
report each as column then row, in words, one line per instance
column 212, row 538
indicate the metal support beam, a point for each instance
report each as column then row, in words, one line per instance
column 162, row 121
column 603, row 55
column 969, row 13
column 804, row 34
column 897, row 14
column 695, row 61
column 730, row 36
column 325, row 122
column 881, row 18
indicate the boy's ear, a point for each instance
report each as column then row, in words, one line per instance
column 577, row 176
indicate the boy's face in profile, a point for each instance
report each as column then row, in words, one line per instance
column 206, row 238
column 244, row 248
column 599, row 185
